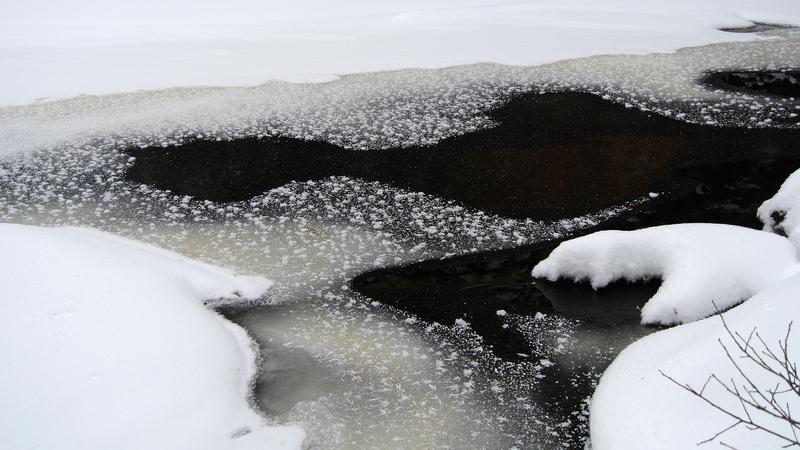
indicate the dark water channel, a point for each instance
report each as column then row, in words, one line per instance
column 784, row 83
column 551, row 156
column 475, row 287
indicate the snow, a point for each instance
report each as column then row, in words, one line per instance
column 52, row 49
column 107, row 344
column 635, row 407
column 781, row 213
column 703, row 267
column 635, row 404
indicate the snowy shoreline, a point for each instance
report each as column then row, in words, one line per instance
column 705, row 268
column 92, row 317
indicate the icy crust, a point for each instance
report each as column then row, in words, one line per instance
column 107, row 344
column 302, row 234
column 781, row 213
column 704, row 267
column 150, row 45
column 311, row 237
column 635, row 407
column 407, row 107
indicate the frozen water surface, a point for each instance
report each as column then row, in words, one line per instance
column 409, row 107
column 379, row 376
column 51, row 48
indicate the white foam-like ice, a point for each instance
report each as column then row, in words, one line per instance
column 408, row 107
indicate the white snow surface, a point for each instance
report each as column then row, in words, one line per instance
column 635, row 407
column 781, row 213
column 703, row 267
column 107, row 344
column 56, row 49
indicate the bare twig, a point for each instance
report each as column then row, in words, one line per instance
column 768, row 399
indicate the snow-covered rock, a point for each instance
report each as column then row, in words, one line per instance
column 781, row 213
column 107, row 344
column 56, row 48
column 703, row 267
column 636, row 407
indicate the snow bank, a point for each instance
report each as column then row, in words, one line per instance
column 635, row 407
column 781, row 213
column 107, row 344
column 700, row 264
column 51, row 48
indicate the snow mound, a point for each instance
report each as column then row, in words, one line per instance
column 107, row 344
column 635, row 407
column 781, row 213
column 701, row 265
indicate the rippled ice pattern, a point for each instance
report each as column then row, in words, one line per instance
column 383, row 378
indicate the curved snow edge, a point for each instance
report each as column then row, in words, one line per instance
column 116, row 318
column 704, row 267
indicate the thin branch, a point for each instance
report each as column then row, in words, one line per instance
column 769, row 401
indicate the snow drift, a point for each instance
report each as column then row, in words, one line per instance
column 703, row 267
column 636, row 407
column 107, row 344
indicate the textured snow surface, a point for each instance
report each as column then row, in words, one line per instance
column 50, row 48
column 701, row 265
column 635, row 407
column 781, row 213
column 107, row 344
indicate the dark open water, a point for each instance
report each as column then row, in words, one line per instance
column 551, row 156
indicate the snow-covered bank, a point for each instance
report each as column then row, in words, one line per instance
column 107, row 344
column 781, row 213
column 704, row 267
column 59, row 49
column 636, row 407
column 640, row 402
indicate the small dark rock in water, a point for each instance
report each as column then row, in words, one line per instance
column 777, row 217
column 784, row 83
column 551, row 156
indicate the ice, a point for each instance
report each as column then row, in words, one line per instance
column 408, row 107
column 107, row 343
column 61, row 49
column 704, row 267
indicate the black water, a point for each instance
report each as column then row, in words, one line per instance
column 551, row 156
column 784, row 83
